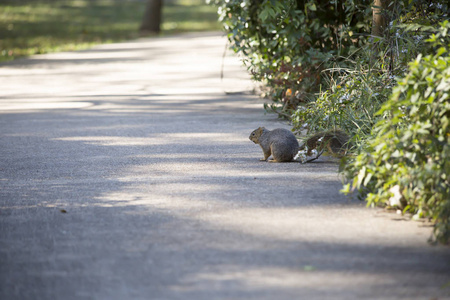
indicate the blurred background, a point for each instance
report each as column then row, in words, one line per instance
column 30, row 27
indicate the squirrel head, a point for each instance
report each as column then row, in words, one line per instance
column 254, row 136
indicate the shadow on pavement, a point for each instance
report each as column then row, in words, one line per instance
column 157, row 193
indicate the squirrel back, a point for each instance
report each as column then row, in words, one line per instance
column 280, row 143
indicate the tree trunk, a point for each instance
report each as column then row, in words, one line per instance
column 379, row 17
column 381, row 14
column 152, row 17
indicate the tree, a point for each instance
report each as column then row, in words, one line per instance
column 152, row 17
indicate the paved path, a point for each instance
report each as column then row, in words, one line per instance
column 126, row 173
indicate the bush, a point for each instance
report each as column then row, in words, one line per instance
column 357, row 86
column 349, row 103
column 286, row 44
column 406, row 164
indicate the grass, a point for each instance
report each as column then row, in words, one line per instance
column 30, row 27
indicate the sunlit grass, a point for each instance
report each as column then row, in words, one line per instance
column 181, row 18
column 42, row 26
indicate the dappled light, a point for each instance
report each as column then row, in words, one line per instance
column 141, row 72
column 42, row 105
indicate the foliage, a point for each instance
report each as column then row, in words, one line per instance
column 286, row 44
column 356, row 92
column 295, row 47
column 349, row 104
column 30, row 27
column 407, row 163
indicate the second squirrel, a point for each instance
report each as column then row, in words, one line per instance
column 336, row 142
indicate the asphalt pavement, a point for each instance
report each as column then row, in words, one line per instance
column 126, row 172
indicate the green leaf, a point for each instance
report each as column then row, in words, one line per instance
column 367, row 180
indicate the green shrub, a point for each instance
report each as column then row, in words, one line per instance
column 356, row 87
column 286, row 44
column 349, row 104
column 406, row 164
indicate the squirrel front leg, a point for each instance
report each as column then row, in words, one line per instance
column 267, row 154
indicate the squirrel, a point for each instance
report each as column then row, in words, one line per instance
column 280, row 143
column 283, row 145
column 336, row 142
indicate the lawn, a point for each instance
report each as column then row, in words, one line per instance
column 30, row 27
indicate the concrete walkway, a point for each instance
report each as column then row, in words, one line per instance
column 126, row 173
